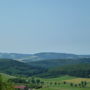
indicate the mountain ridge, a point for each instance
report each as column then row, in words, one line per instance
column 41, row 56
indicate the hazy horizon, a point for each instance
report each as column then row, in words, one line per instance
column 44, row 52
column 29, row 26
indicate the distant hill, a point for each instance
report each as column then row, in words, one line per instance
column 51, row 55
column 13, row 67
column 49, row 63
column 14, row 55
column 41, row 56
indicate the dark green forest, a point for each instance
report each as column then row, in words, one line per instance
column 49, row 68
column 77, row 70
column 13, row 67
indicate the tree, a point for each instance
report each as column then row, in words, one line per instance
column 79, row 84
column 55, row 83
column 75, row 85
column 71, row 84
column 64, row 82
column 38, row 81
column 83, row 83
column 33, row 80
column 51, row 83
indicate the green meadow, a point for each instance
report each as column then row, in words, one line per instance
column 59, row 83
column 50, row 83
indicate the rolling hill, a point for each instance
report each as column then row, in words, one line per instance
column 46, row 65
column 13, row 67
column 52, row 68
column 14, row 56
column 50, row 55
column 77, row 70
column 58, row 62
column 41, row 56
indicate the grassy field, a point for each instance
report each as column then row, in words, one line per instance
column 60, row 78
column 49, row 84
column 78, row 80
column 6, row 76
column 62, row 86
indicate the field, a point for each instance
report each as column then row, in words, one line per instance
column 6, row 76
column 62, row 86
column 60, row 83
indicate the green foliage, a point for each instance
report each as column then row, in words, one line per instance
column 78, row 70
column 13, row 67
column 68, row 67
column 17, row 80
column 5, row 85
column 50, row 63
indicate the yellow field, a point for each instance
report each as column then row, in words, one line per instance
column 78, row 80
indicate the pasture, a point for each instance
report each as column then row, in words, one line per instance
column 64, row 83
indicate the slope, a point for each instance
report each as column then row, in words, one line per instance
column 13, row 67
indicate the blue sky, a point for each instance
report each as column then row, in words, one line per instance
column 30, row 26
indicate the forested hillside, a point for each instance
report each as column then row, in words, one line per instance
column 13, row 67
column 59, row 62
column 78, row 70
column 47, row 68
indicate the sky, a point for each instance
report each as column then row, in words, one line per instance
column 31, row 26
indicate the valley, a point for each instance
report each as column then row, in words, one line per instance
column 46, row 74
